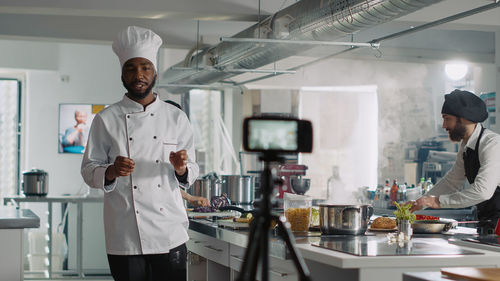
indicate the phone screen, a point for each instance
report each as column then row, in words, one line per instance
column 272, row 135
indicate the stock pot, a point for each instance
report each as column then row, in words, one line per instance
column 207, row 187
column 239, row 189
column 344, row 219
column 35, row 182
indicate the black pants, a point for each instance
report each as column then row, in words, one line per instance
column 159, row 267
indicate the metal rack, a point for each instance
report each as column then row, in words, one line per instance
column 50, row 200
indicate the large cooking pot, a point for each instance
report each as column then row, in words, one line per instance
column 344, row 219
column 35, row 182
column 239, row 189
column 207, row 187
column 201, row 188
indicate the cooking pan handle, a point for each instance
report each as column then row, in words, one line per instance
column 369, row 213
column 234, row 208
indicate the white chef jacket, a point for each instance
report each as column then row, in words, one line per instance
column 143, row 212
column 487, row 179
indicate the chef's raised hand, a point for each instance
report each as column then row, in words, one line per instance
column 179, row 161
column 425, row 201
column 123, row 166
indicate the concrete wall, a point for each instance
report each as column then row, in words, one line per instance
column 410, row 96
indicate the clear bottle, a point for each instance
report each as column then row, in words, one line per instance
column 420, row 185
column 402, row 192
column 428, row 185
column 334, row 185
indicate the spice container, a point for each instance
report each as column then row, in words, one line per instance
column 297, row 211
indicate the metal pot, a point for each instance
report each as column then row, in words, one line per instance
column 239, row 189
column 344, row 219
column 35, row 182
column 201, row 187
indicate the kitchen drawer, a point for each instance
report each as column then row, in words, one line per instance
column 279, row 270
column 209, row 248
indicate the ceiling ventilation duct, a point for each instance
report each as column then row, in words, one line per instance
column 320, row 20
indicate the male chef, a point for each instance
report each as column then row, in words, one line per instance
column 139, row 150
column 478, row 161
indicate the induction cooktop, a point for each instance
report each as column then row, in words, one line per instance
column 372, row 246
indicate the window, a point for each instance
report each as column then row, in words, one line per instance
column 214, row 148
column 10, row 107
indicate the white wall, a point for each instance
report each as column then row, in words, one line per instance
column 92, row 74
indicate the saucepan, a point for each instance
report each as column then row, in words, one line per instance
column 344, row 219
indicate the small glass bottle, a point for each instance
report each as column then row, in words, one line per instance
column 334, row 183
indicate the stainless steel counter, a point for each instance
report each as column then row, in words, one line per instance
column 278, row 249
column 11, row 217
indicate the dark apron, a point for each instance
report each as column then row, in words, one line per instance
column 488, row 211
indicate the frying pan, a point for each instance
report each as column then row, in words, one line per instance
column 432, row 226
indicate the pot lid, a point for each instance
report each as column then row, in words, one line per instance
column 35, row 171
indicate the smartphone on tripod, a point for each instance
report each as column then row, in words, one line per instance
column 273, row 137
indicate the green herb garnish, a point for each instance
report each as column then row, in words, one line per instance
column 403, row 212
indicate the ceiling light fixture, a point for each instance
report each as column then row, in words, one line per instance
column 456, row 71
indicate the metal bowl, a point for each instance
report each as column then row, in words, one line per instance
column 301, row 186
column 344, row 219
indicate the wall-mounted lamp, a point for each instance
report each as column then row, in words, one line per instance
column 456, row 71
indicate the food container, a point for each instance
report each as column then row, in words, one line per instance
column 297, row 211
column 35, row 182
column 404, row 226
column 344, row 219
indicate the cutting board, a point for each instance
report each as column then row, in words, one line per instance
column 472, row 274
column 196, row 215
column 233, row 225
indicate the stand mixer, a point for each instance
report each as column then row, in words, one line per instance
column 292, row 179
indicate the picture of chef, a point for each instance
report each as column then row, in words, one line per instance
column 74, row 125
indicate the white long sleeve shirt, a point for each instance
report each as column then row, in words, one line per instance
column 143, row 212
column 487, row 179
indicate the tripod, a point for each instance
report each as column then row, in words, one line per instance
column 258, row 240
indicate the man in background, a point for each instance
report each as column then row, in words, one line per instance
column 478, row 161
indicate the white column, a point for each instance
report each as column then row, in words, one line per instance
column 497, row 64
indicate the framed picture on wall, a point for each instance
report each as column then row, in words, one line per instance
column 74, row 125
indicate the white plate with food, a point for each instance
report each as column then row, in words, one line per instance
column 383, row 224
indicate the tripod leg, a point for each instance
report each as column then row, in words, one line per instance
column 299, row 262
column 264, row 250
column 248, row 269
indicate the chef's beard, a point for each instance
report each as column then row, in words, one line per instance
column 457, row 133
column 138, row 95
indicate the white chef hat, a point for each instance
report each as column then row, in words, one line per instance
column 134, row 42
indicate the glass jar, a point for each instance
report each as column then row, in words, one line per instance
column 298, row 211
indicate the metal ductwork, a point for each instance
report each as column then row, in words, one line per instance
column 320, row 20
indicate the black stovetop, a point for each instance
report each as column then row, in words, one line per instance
column 379, row 246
